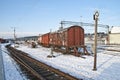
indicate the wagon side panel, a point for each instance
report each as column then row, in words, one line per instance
column 71, row 36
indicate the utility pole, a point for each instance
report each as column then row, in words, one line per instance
column 96, row 15
column 51, row 43
column 14, row 30
column 81, row 20
column 108, row 42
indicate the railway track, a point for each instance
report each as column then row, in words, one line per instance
column 39, row 70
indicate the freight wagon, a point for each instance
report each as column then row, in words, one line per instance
column 69, row 38
column 45, row 39
column 3, row 40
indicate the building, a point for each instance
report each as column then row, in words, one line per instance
column 114, row 35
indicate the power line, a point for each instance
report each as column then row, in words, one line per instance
column 82, row 24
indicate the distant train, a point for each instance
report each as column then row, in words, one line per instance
column 71, row 37
column 3, row 40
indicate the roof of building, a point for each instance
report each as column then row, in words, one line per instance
column 115, row 30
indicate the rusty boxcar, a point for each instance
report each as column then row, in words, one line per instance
column 71, row 37
column 45, row 39
column 68, row 37
column 2, row 40
column 75, row 36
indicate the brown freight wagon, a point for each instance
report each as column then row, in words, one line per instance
column 39, row 41
column 75, row 36
column 2, row 40
column 53, row 38
column 69, row 37
column 72, row 37
column 45, row 39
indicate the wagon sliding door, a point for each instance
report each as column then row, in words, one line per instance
column 75, row 36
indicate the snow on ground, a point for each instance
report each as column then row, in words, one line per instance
column 107, row 65
column 112, row 47
column 10, row 67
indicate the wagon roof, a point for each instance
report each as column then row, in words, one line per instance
column 64, row 29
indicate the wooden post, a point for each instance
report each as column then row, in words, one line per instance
column 95, row 40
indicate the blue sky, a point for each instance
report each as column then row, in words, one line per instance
column 39, row 16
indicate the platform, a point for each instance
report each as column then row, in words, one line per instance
column 2, row 77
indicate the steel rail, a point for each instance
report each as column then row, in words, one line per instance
column 20, row 61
